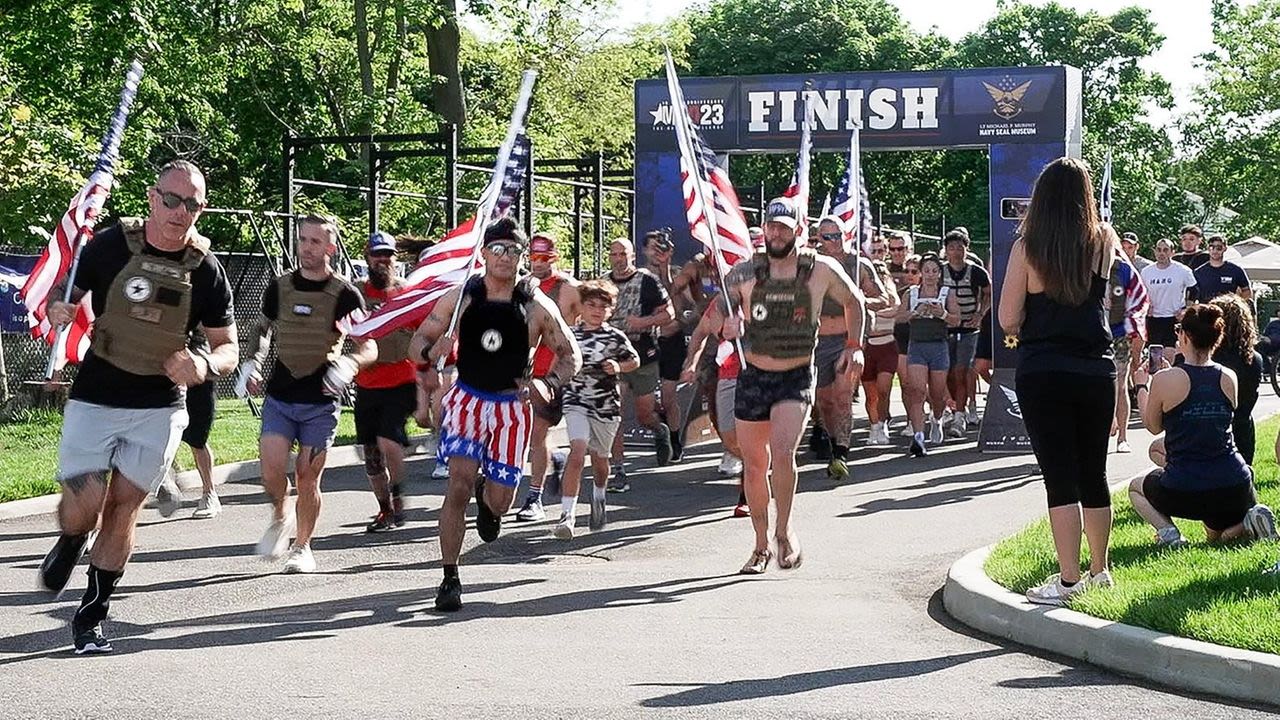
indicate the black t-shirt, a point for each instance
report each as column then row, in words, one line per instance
column 281, row 384
column 641, row 302
column 101, row 383
column 1214, row 281
column 1192, row 260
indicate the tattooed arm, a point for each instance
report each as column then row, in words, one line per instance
column 873, row 287
column 430, row 342
column 738, row 284
column 553, row 332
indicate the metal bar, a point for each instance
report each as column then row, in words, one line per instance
column 375, row 171
column 365, row 189
column 364, row 139
column 287, row 145
column 597, row 199
column 451, row 177
column 257, row 235
column 577, row 232
column 409, row 153
column 584, row 163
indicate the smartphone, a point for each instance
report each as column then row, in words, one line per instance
column 1154, row 355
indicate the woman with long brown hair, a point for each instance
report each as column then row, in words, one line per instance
column 1239, row 335
column 1052, row 301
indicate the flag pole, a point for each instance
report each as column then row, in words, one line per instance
column 106, row 161
column 490, row 197
column 680, row 116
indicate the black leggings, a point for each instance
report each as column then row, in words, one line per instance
column 1068, row 418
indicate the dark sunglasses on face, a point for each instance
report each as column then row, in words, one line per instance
column 504, row 248
column 913, row 272
column 897, row 249
column 173, row 200
column 831, row 237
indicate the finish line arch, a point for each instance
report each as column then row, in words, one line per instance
column 1025, row 117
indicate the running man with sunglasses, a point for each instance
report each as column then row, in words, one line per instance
column 152, row 282
column 487, row 418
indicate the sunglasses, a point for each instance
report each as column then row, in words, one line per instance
column 913, row 272
column 897, row 249
column 831, row 237
column 500, row 249
column 173, row 200
column 542, row 257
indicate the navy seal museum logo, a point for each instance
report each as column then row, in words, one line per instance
column 1007, row 96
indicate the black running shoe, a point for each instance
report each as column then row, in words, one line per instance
column 56, row 568
column 90, row 641
column 677, row 447
column 488, row 525
column 449, row 596
column 662, row 445
column 917, row 448
column 382, row 522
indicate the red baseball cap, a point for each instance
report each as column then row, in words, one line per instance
column 542, row 245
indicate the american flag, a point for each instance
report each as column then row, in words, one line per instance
column 72, row 233
column 1136, row 301
column 710, row 202
column 1104, row 205
column 799, row 187
column 449, row 263
column 851, row 204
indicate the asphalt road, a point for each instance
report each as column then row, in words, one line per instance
column 646, row 618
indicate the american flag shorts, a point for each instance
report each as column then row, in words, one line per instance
column 491, row 428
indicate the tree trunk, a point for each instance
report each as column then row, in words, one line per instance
column 443, row 41
column 365, row 60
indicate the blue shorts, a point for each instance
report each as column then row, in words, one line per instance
column 313, row 425
column 933, row 355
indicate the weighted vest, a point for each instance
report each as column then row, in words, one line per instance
column 307, row 337
column 782, row 323
column 927, row 329
column 966, row 295
column 1117, row 302
column 493, row 337
column 831, row 308
column 148, row 307
column 395, row 346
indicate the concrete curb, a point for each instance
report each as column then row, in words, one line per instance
column 341, row 456
column 977, row 601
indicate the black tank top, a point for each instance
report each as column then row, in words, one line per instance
column 1058, row 338
column 1198, row 441
column 493, row 339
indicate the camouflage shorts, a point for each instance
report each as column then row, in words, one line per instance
column 1123, row 350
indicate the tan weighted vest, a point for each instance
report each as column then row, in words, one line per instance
column 782, row 323
column 394, row 347
column 144, row 320
column 307, row 337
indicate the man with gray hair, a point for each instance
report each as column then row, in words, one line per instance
column 152, row 281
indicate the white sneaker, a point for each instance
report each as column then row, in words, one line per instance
column 1123, row 447
column 1260, row 522
column 168, row 496
column 563, row 529
column 883, row 437
column 1101, row 580
column 947, row 418
column 958, row 426
column 441, row 471
column 208, row 506
column 873, row 435
column 972, row 415
column 275, row 540
column 730, row 465
column 300, row 561
column 935, row 434
column 1053, row 592
column 907, row 431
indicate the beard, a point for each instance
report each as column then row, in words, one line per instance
column 380, row 278
column 779, row 253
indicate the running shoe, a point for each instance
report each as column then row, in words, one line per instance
column 873, row 435
column 90, row 641
column 1170, row 537
column 618, row 483
column 729, row 465
column 662, row 450
column 677, row 446
column 58, row 564
column 1101, row 580
column 838, row 469
column 917, row 447
column 597, row 513
column 907, row 431
column 1053, row 592
column 488, row 525
column 449, row 596
column 563, row 529
column 440, row 471
column 935, row 434
column 168, row 496
column 1123, row 447
column 382, row 522
column 972, row 415
column 532, row 510
column 275, row 541
column 208, row 506
column 1260, row 522
column 741, row 510
column 958, row 426
column 300, row 561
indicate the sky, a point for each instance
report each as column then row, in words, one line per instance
column 1184, row 23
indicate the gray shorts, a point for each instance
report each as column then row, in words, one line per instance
column 933, row 355
column 313, row 425
column 963, row 347
column 643, row 380
column 597, row 432
column 826, row 355
column 139, row 443
column 725, row 391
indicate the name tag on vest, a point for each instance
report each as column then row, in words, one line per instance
column 162, row 269
column 301, row 309
column 145, row 313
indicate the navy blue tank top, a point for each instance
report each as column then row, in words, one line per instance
column 1199, row 445
column 1058, row 338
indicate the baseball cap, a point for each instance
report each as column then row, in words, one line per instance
column 1130, row 238
column 783, row 210
column 381, row 242
column 542, row 245
column 659, row 239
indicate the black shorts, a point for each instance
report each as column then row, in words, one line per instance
column 1160, row 331
column 985, row 341
column 902, row 336
column 201, row 401
column 552, row 412
column 759, row 390
column 671, row 354
column 382, row 412
column 1218, row 509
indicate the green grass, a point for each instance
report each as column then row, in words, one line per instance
column 1206, row 592
column 29, row 449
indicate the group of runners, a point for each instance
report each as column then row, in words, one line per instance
column 796, row 329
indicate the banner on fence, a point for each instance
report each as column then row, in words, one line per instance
column 13, row 274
